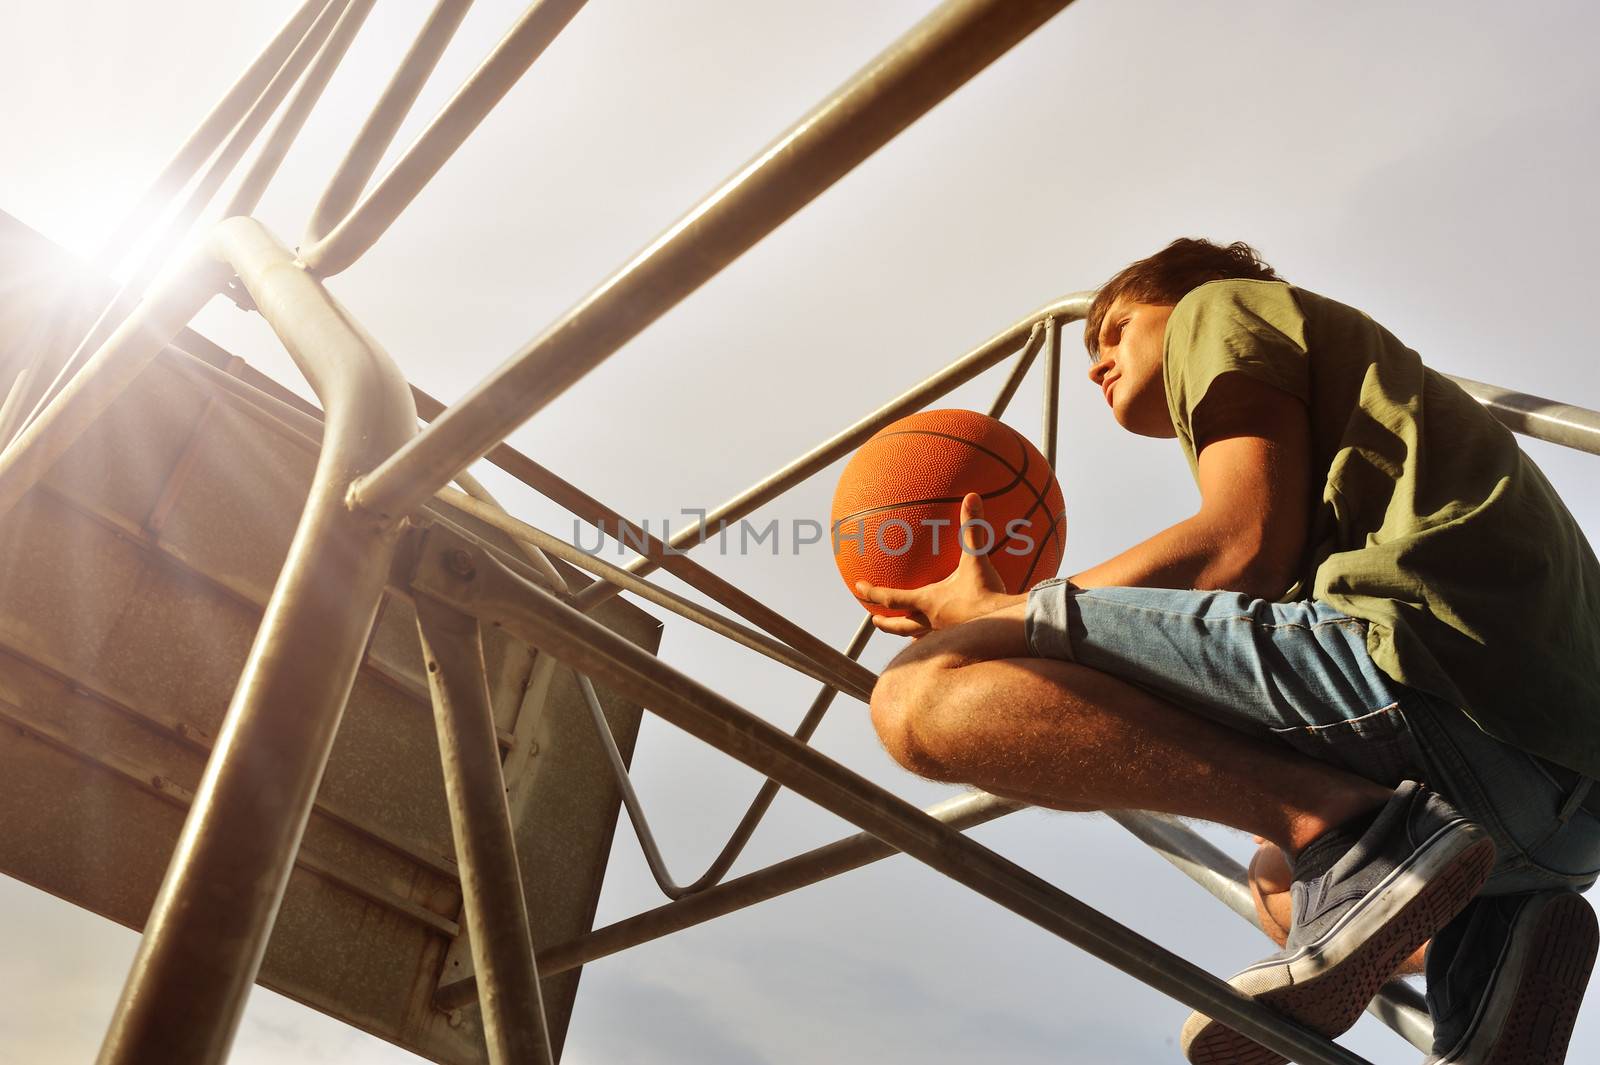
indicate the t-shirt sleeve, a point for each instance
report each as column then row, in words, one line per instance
column 1235, row 326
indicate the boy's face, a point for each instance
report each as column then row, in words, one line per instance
column 1128, row 371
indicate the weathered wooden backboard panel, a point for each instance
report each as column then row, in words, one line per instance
column 131, row 584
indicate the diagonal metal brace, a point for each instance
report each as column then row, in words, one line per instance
column 455, row 571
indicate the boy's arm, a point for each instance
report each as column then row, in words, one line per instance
column 1249, row 535
column 1254, row 458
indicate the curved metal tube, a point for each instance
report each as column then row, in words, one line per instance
column 208, row 929
column 996, row 349
column 928, row 63
column 753, row 814
column 758, row 807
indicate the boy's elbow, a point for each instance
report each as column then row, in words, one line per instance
column 1254, row 569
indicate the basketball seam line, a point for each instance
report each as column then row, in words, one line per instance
column 1018, row 475
column 1021, row 474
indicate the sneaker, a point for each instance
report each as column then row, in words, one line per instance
column 1507, row 979
column 1414, row 868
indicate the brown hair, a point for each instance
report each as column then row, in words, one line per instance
column 1170, row 273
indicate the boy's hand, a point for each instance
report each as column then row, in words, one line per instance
column 973, row 590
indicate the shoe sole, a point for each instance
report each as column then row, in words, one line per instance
column 1533, row 1021
column 1326, row 987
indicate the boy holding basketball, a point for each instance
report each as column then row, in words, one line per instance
column 1376, row 645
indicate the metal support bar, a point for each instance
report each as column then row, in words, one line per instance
column 1052, row 391
column 1013, row 380
column 1398, row 1004
column 255, row 181
column 360, row 229
column 186, row 162
column 127, row 299
column 808, row 725
column 1542, row 419
column 996, row 349
column 769, row 788
column 208, row 929
column 494, row 594
column 496, row 910
column 128, row 350
column 379, row 130
column 812, row 867
column 484, row 502
column 835, row 669
column 752, row 815
column 935, row 58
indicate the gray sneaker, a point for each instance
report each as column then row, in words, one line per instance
column 1506, row 978
column 1414, row 868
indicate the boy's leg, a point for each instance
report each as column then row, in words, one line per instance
column 1270, row 879
column 1377, row 880
column 1506, row 978
column 1064, row 736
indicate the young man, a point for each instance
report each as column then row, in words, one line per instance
column 1376, row 645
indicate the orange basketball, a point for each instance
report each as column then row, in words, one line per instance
column 898, row 504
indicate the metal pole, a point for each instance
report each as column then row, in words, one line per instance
column 124, row 302
column 1013, row 379
column 493, row 593
column 495, row 908
column 208, row 929
column 206, row 136
column 128, row 350
column 379, row 130
column 834, row 669
column 935, row 58
column 259, row 176
column 360, row 229
column 819, row 707
column 484, row 502
column 1542, row 419
column 812, row 867
column 769, row 788
column 1052, row 391
column 1398, row 1004
column 842, row 443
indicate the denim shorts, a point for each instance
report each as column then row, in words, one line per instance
column 1299, row 673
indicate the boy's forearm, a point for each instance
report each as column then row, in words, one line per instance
column 1195, row 553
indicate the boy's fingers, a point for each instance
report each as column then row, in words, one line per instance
column 972, row 531
column 900, row 626
column 895, row 598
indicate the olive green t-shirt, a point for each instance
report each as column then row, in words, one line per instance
column 1429, row 522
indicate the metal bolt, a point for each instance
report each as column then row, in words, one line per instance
column 455, row 1018
column 458, row 562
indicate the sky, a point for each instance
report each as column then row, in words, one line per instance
column 1428, row 162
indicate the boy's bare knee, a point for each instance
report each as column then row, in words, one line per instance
column 902, row 702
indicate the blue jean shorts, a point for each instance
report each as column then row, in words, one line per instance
column 1299, row 673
